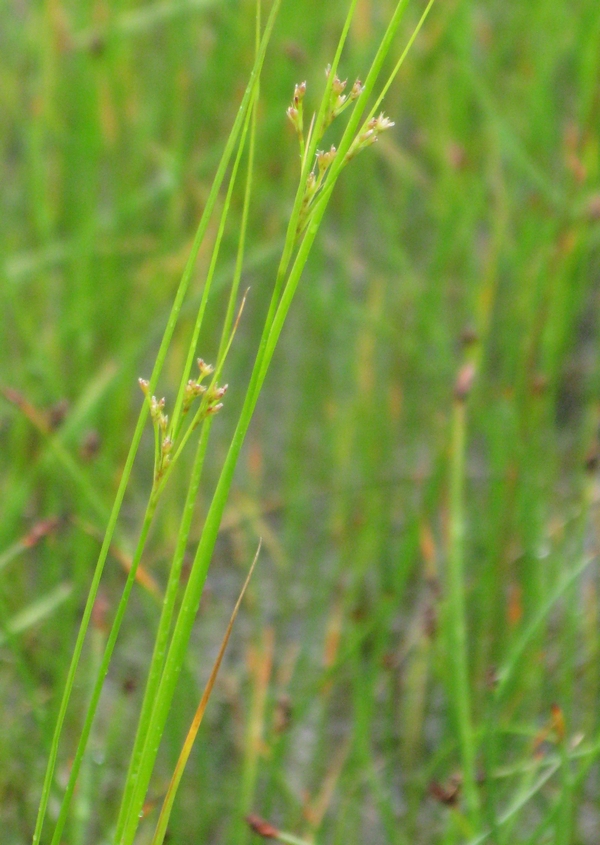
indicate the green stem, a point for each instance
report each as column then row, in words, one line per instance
column 400, row 61
column 103, row 670
column 48, row 778
column 237, row 273
column 193, row 592
column 272, row 329
column 564, row 833
column 84, row 801
column 456, row 623
column 160, row 645
column 361, row 102
column 160, row 359
column 209, row 278
column 353, row 124
column 290, row 239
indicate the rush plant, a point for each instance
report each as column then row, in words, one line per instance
column 199, row 397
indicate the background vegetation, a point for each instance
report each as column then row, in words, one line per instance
column 471, row 233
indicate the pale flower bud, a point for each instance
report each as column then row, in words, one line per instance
column 205, row 369
column 338, row 86
column 324, row 159
column 357, row 90
column 299, row 92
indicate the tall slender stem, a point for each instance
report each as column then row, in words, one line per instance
column 456, row 621
column 103, row 670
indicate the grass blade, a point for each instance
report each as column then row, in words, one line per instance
column 165, row 813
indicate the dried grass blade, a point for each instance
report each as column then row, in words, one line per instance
column 167, row 806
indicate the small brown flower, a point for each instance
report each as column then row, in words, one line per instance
column 464, row 382
column 262, row 827
column 447, row 793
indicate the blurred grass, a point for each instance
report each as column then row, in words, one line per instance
column 478, row 216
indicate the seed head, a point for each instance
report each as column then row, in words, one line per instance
column 374, row 127
column 193, row 388
column 205, row 369
column 156, row 407
column 381, row 123
column 299, row 92
column 311, row 184
column 357, row 90
column 215, row 394
column 324, row 159
column 337, row 86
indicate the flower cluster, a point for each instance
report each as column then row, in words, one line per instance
column 294, row 112
column 336, row 102
column 369, row 134
column 165, row 433
column 313, row 184
column 193, row 389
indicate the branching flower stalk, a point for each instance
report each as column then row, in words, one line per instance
column 170, row 598
column 318, row 175
column 294, row 113
column 165, row 436
column 164, row 463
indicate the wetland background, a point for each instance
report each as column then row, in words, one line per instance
column 470, row 234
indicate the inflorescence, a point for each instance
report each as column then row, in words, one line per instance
column 337, row 103
column 167, row 433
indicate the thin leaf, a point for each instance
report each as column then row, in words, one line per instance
column 167, row 806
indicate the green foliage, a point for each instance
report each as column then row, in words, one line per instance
column 416, row 659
